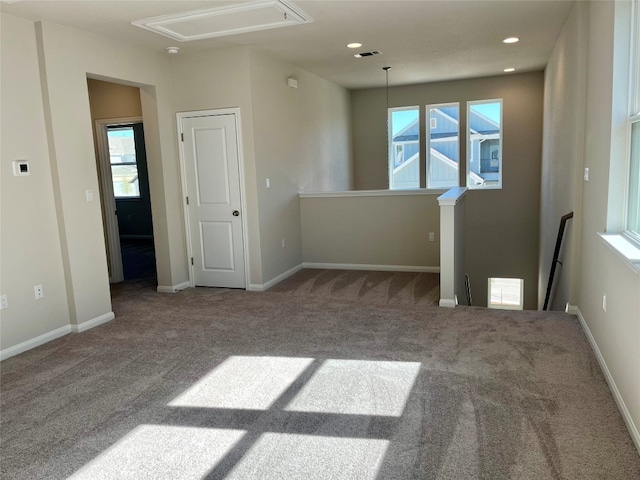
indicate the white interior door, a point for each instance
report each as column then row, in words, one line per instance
column 211, row 162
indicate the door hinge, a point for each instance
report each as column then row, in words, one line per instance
column 191, row 260
column 187, row 200
column 182, row 137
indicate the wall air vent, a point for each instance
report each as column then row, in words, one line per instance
column 368, row 54
column 226, row 20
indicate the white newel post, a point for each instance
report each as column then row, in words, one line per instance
column 451, row 245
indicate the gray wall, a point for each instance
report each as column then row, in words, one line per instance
column 562, row 159
column 376, row 229
column 502, row 226
column 302, row 143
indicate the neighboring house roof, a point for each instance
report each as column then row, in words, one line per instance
column 448, row 116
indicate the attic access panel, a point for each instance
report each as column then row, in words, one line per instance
column 226, row 20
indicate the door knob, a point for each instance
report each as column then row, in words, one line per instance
column 236, row 213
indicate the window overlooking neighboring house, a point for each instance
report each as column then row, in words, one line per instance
column 124, row 167
column 484, row 144
column 404, row 148
column 443, row 145
column 442, row 164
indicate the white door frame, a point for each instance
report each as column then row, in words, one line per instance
column 211, row 113
column 107, row 196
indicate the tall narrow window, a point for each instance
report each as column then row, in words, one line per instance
column 633, row 208
column 124, row 168
column 484, row 144
column 443, row 145
column 633, row 192
column 404, row 148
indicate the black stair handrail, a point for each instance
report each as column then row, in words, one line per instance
column 556, row 253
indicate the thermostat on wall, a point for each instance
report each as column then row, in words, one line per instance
column 20, row 167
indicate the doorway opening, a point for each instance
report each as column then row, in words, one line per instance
column 124, row 182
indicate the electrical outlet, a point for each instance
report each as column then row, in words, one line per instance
column 604, row 302
column 38, row 292
column 268, row 183
column 283, row 243
column 3, row 302
column 586, row 174
column 432, row 236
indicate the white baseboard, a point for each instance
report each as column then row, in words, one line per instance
column 628, row 420
column 571, row 309
column 34, row 342
column 448, row 303
column 366, row 266
column 94, row 322
column 173, row 288
column 261, row 287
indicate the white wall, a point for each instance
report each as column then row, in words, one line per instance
column 29, row 236
column 68, row 56
column 45, row 94
column 616, row 332
column 57, row 239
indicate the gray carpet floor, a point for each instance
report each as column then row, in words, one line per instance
column 212, row 383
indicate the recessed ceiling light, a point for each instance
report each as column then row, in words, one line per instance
column 510, row 69
column 354, row 45
column 511, row 40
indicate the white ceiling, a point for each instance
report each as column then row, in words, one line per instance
column 422, row 40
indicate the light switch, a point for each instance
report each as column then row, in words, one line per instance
column 268, row 183
column 586, row 174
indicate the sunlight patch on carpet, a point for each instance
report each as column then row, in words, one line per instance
column 244, row 383
column 357, row 387
column 276, row 456
column 154, row 451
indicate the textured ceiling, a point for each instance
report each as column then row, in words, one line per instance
column 422, row 40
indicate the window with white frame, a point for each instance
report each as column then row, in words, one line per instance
column 632, row 221
column 124, row 167
column 506, row 293
column 484, row 144
column 404, row 148
column 443, row 145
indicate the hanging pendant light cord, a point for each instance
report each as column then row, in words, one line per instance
column 386, row 71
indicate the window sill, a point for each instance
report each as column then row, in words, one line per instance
column 622, row 247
